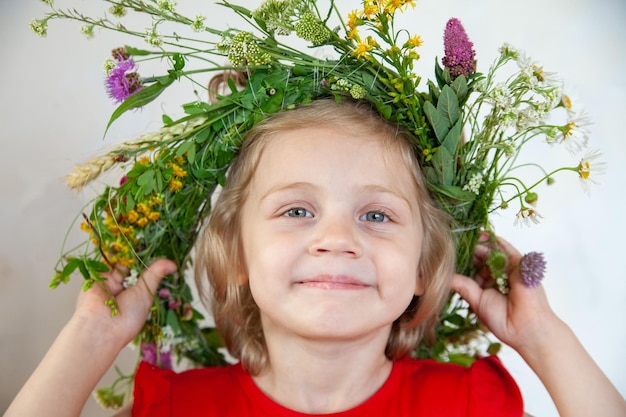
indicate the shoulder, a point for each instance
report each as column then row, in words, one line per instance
column 161, row 392
column 485, row 387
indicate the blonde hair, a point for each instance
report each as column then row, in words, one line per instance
column 220, row 253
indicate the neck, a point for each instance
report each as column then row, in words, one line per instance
column 318, row 377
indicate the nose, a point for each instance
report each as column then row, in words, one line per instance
column 336, row 236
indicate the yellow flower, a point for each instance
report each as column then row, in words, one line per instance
column 361, row 50
column 144, row 160
column 118, row 247
column 175, row 185
column 143, row 209
column 154, row 216
column 352, row 20
column 142, row 222
column 370, row 9
column 132, row 216
column 415, row 41
column 84, row 226
column 353, row 34
column 178, row 171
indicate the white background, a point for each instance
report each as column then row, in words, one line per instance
column 53, row 111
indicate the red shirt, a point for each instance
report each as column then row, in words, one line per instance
column 421, row 388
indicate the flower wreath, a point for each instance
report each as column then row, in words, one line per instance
column 468, row 128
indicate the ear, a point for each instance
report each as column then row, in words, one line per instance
column 419, row 285
column 242, row 275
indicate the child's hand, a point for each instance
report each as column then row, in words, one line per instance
column 519, row 318
column 133, row 303
column 524, row 320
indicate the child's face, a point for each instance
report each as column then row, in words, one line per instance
column 331, row 234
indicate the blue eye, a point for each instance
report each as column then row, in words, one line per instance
column 375, row 217
column 297, row 212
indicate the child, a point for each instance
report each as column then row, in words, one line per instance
column 327, row 261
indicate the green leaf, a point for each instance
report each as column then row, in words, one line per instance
column 445, row 163
column 459, row 86
column 439, row 124
column 453, row 138
column 448, row 105
column 139, row 99
column 172, row 321
column 179, row 61
column 136, row 51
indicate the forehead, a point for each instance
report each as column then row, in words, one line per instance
column 335, row 154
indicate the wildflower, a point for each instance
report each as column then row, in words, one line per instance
column 164, row 293
column 533, row 73
column 154, row 216
column 415, row 41
column 173, row 304
column 458, row 53
column 532, row 267
column 311, row 29
column 175, row 185
column 168, row 338
column 107, row 398
column 154, row 356
column 131, row 279
column 474, row 183
column 588, row 169
column 117, row 10
column 508, row 51
column 87, row 30
column 153, row 38
column 362, row 48
column 244, row 50
column 122, row 81
column 527, row 215
column 357, row 92
column 40, row 27
column 178, row 172
column 166, row 5
column 575, row 134
column 198, row 23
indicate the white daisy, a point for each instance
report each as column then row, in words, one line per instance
column 589, row 168
column 527, row 215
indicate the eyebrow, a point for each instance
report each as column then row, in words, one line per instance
column 370, row 188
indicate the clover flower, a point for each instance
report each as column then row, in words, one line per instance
column 123, row 81
column 532, row 267
column 155, row 357
column 459, row 55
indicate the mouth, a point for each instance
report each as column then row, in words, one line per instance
column 334, row 282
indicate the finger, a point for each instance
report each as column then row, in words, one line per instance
column 467, row 288
column 148, row 282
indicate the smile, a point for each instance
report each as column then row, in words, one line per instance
column 334, row 282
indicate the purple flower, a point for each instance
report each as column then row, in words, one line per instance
column 458, row 53
column 123, row 81
column 150, row 355
column 532, row 266
column 164, row 293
